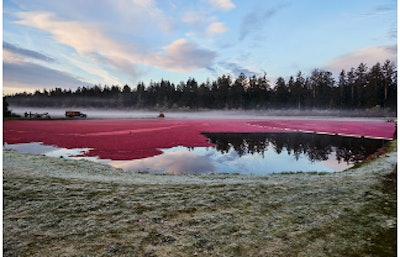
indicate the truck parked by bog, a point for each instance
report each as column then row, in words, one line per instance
column 72, row 114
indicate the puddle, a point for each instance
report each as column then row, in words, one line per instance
column 244, row 153
column 48, row 150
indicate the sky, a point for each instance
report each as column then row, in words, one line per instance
column 75, row 43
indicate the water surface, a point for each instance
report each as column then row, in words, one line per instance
column 260, row 153
column 244, row 153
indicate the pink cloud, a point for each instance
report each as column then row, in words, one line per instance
column 90, row 41
column 223, row 4
column 216, row 28
column 182, row 55
column 369, row 56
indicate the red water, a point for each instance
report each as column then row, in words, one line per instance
column 134, row 139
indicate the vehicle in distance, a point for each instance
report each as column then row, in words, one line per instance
column 71, row 114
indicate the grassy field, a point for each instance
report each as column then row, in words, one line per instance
column 58, row 207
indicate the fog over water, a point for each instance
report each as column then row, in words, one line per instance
column 92, row 113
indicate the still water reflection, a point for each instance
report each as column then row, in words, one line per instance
column 244, row 153
column 260, row 153
column 317, row 147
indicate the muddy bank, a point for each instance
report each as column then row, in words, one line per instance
column 58, row 207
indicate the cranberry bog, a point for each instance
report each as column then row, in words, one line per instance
column 135, row 139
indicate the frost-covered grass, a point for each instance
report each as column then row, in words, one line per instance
column 58, row 207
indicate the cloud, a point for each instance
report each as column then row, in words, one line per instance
column 183, row 162
column 216, row 28
column 26, row 52
column 203, row 24
column 179, row 162
column 142, row 13
column 184, row 56
column 387, row 12
column 236, row 69
column 193, row 17
column 222, row 4
column 93, row 43
column 144, row 3
column 369, row 56
column 33, row 76
column 85, row 38
column 122, row 16
column 93, row 68
column 22, row 72
column 255, row 19
column 88, row 40
column 382, row 10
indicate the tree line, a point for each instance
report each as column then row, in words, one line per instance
column 356, row 88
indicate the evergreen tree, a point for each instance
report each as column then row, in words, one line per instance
column 6, row 111
column 351, row 82
column 299, row 90
column 360, row 84
column 344, row 91
column 281, row 93
column 374, row 89
column 389, row 84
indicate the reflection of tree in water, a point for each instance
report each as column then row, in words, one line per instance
column 315, row 146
